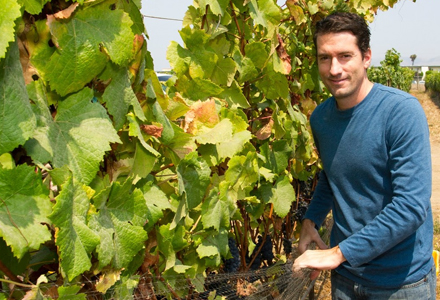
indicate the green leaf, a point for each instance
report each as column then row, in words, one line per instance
column 266, row 13
column 215, row 211
column 156, row 201
column 214, row 246
column 217, row 7
column 221, row 132
column 256, row 52
column 143, row 163
column 234, row 145
column 119, row 223
column 75, row 240
column 17, row 121
column 79, row 136
column 242, row 173
column 198, row 88
column 71, row 293
column 224, row 72
column 165, row 246
column 83, row 42
column 234, row 96
column 8, row 14
column 119, row 95
column 193, row 175
column 135, row 130
column 24, row 206
column 277, row 155
column 274, row 84
column 34, row 7
column 282, row 197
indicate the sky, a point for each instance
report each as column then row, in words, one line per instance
column 408, row 27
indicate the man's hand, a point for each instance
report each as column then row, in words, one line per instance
column 308, row 235
column 328, row 259
column 324, row 259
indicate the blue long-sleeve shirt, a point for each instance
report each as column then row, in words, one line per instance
column 376, row 179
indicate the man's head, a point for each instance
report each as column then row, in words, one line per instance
column 342, row 21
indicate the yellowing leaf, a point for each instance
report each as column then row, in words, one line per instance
column 201, row 114
column 107, row 280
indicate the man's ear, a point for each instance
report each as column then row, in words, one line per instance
column 367, row 58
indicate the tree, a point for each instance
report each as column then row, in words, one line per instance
column 413, row 58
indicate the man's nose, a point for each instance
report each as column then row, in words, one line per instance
column 335, row 67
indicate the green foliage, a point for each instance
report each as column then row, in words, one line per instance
column 432, row 81
column 104, row 174
column 390, row 73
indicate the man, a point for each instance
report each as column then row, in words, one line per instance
column 373, row 142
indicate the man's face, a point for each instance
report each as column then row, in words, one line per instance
column 342, row 67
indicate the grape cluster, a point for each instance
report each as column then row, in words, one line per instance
column 265, row 254
column 232, row 264
column 299, row 214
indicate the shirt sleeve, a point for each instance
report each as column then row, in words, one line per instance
column 409, row 163
column 321, row 202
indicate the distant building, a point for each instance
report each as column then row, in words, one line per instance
column 423, row 68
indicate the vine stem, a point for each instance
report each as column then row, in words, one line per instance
column 16, row 283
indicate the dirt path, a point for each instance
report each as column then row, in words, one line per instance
column 435, row 198
column 432, row 111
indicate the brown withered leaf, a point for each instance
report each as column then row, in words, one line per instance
column 285, row 58
column 152, row 130
column 62, row 14
column 265, row 131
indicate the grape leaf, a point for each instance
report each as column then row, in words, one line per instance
column 119, row 95
column 71, row 293
column 224, row 72
column 234, row 96
column 198, row 88
column 193, row 174
column 218, row 7
column 24, row 205
column 119, row 222
column 242, row 173
column 282, row 197
column 214, row 246
column 75, row 240
column 135, row 130
column 34, row 7
column 9, row 12
column 156, row 201
column 17, row 121
column 69, row 140
column 83, row 42
column 215, row 211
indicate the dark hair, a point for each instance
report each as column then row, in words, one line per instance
column 344, row 21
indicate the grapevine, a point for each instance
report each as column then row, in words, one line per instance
column 124, row 183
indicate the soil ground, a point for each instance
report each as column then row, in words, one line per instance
column 431, row 105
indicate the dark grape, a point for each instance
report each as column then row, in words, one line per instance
column 232, row 264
